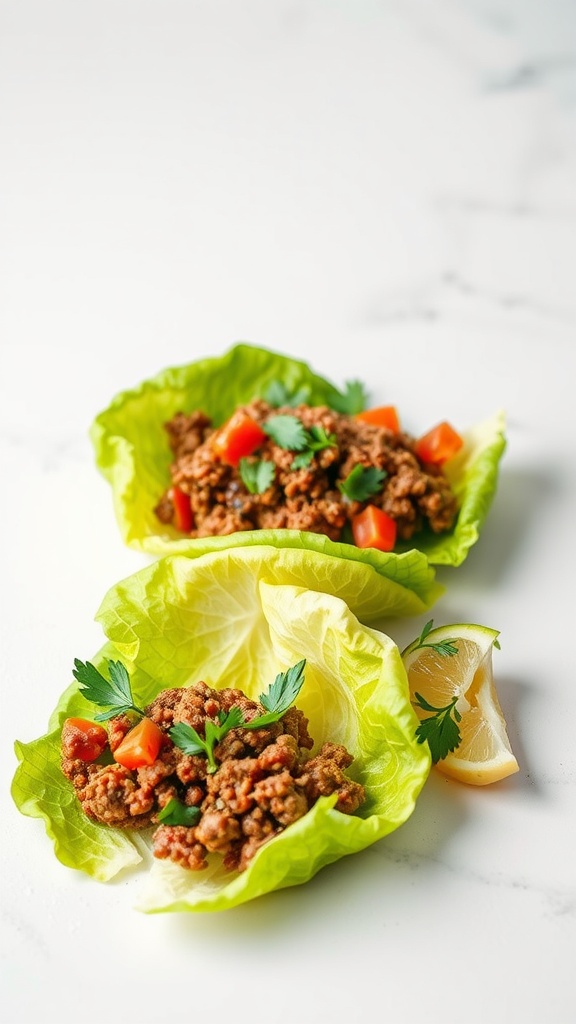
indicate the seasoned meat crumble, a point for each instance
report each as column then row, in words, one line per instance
column 308, row 498
column 265, row 779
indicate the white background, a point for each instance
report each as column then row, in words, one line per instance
column 385, row 189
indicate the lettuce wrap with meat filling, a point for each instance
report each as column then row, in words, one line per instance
column 219, row 618
column 133, row 453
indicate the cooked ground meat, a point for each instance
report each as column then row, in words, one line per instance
column 265, row 779
column 306, row 498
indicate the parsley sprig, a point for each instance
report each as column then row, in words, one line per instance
column 446, row 647
column 362, row 482
column 350, row 401
column 257, row 476
column 289, row 432
column 187, row 739
column 114, row 694
column 277, row 394
column 177, row 813
column 281, row 694
column 316, row 441
column 440, row 730
column 284, row 690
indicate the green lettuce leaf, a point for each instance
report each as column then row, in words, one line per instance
column 132, row 453
column 182, row 619
column 40, row 790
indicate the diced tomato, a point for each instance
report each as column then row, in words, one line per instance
column 382, row 416
column 140, row 746
column 239, row 437
column 83, row 739
column 441, row 443
column 182, row 510
column 373, row 528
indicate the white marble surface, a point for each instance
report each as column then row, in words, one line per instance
column 386, row 189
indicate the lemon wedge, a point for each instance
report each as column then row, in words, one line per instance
column 454, row 663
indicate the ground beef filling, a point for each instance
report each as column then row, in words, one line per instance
column 265, row 780
column 414, row 495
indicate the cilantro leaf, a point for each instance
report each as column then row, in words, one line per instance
column 289, row 432
column 302, row 460
column 177, row 813
column 256, row 476
column 115, row 693
column 440, row 730
column 362, row 482
column 316, row 441
column 286, row 431
column 318, row 438
column 277, row 394
column 350, row 401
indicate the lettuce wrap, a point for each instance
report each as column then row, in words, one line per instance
column 132, row 452
column 219, row 618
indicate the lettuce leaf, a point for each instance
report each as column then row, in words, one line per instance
column 40, row 790
column 182, row 619
column 132, row 453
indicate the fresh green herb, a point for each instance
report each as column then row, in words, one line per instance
column 280, row 696
column 278, row 394
column 350, row 401
column 362, row 482
column 256, row 476
column 440, row 730
column 316, row 441
column 286, row 431
column 187, row 739
column 302, row 460
column 284, row 690
column 446, row 647
column 115, row 694
column 177, row 813
column 290, row 433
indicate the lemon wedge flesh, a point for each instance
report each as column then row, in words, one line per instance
column 484, row 754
